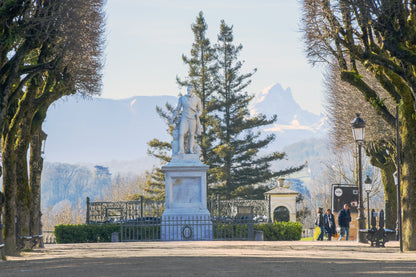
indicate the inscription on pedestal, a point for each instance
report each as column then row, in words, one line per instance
column 186, row 216
column 186, row 190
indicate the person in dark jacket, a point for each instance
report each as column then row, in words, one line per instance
column 329, row 224
column 344, row 219
column 320, row 223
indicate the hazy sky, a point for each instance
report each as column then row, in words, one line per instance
column 146, row 39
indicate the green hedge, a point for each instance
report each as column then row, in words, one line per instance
column 85, row 233
column 280, row 230
column 102, row 233
column 230, row 231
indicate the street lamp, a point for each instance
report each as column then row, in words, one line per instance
column 367, row 184
column 43, row 137
column 358, row 127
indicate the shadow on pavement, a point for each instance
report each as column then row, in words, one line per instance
column 205, row 266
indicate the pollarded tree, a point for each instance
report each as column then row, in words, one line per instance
column 237, row 163
column 381, row 150
column 379, row 35
column 60, row 54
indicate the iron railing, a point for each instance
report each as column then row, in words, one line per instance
column 189, row 228
column 122, row 211
column 48, row 237
column 238, row 207
column 125, row 211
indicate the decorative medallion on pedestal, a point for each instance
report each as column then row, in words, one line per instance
column 186, row 216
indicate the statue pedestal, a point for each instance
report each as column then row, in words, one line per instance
column 186, row 216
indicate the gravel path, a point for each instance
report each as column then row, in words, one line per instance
column 212, row 258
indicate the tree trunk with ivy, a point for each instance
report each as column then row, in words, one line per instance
column 36, row 166
column 408, row 182
column 23, row 117
column 389, row 196
column 380, row 153
column 9, row 189
column 23, row 199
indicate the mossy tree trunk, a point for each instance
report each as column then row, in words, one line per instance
column 22, row 120
column 9, row 189
column 36, row 166
column 408, row 182
column 379, row 157
column 23, row 196
column 389, row 196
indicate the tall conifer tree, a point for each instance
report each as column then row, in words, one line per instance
column 228, row 142
column 155, row 182
column 237, row 165
column 202, row 67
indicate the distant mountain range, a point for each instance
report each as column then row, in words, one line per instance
column 111, row 132
column 293, row 123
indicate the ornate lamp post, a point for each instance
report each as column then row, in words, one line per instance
column 43, row 137
column 358, row 127
column 367, row 184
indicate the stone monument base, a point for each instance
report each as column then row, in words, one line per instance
column 186, row 226
column 186, row 216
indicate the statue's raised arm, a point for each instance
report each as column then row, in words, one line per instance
column 189, row 122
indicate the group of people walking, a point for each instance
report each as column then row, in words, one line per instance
column 326, row 223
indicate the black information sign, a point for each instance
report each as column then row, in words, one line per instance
column 344, row 194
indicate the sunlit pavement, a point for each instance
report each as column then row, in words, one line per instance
column 213, row 258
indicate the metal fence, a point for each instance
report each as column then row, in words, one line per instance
column 232, row 208
column 190, row 228
column 48, row 237
column 122, row 211
column 140, row 220
column 126, row 211
column 154, row 229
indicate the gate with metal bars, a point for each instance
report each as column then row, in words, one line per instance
column 194, row 228
column 141, row 220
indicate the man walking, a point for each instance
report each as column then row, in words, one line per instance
column 344, row 219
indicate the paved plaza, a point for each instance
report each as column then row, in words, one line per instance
column 212, row 258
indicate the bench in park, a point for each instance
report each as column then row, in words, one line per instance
column 377, row 236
